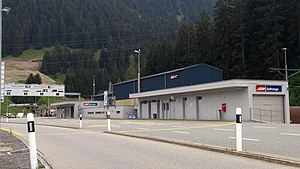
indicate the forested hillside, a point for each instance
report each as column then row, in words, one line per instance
column 94, row 23
column 243, row 38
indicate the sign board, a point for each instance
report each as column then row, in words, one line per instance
column 34, row 90
column 174, row 76
column 90, row 104
column 268, row 88
column 2, row 81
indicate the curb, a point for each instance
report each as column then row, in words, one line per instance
column 218, row 149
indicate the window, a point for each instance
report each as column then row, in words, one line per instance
column 164, row 106
column 8, row 93
column 168, row 106
column 199, row 97
column 41, row 94
column 184, row 98
column 25, row 94
column 118, row 112
column 90, row 112
column 99, row 112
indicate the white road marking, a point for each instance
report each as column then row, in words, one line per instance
column 264, row 127
column 181, row 132
column 247, row 139
column 142, row 128
column 178, row 126
column 224, row 129
column 290, row 134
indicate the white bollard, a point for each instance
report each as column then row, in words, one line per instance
column 7, row 118
column 108, row 121
column 80, row 120
column 239, row 129
column 32, row 141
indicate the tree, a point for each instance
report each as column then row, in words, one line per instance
column 184, row 45
column 131, row 72
column 203, row 39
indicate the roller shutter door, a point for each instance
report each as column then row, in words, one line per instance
column 268, row 108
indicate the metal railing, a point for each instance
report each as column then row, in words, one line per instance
column 266, row 116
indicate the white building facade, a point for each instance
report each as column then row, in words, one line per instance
column 260, row 100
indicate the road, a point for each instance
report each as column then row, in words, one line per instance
column 257, row 137
column 82, row 148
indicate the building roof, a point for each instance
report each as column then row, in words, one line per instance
column 220, row 85
column 171, row 71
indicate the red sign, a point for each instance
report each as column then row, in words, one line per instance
column 260, row 88
column 174, row 77
column 223, row 107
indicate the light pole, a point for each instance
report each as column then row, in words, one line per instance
column 139, row 69
column 6, row 9
column 285, row 65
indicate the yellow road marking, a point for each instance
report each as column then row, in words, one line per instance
column 60, row 134
column 182, row 128
column 11, row 131
column 100, row 125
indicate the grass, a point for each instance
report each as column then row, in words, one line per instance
column 59, row 78
column 30, row 54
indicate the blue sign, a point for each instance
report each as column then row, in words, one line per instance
column 273, row 88
column 90, row 104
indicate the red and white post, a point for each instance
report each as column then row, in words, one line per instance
column 32, row 141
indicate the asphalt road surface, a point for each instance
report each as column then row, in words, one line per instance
column 88, row 149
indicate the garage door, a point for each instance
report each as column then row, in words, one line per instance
column 268, row 108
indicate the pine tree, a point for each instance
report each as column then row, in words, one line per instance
column 131, row 72
column 203, row 39
column 184, row 46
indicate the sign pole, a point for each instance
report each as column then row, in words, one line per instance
column 239, row 129
column 32, row 141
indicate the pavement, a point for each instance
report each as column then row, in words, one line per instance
column 278, row 143
column 13, row 152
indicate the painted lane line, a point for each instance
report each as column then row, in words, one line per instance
column 177, row 126
column 62, row 134
column 183, row 128
column 142, row 128
column 290, row 134
column 263, row 127
column 181, row 132
column 247, row 139
column 224, row 129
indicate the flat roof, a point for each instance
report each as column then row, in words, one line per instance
column 219, row 85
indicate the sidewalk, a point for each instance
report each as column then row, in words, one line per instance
column 13, row 153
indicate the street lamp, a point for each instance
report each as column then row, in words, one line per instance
column 139, row 69
column 6, row 9
column 285, row 64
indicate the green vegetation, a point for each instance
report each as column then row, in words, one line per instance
column 59, row 78
column 97, row 54
column 31, row 54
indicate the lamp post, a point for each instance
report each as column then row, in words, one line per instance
column 139, row 69
column 285, row 64
column 6, row 9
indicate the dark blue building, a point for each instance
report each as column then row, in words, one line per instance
column 191, row 75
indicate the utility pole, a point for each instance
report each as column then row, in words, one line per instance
column 139, row 69
column 93, row 89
